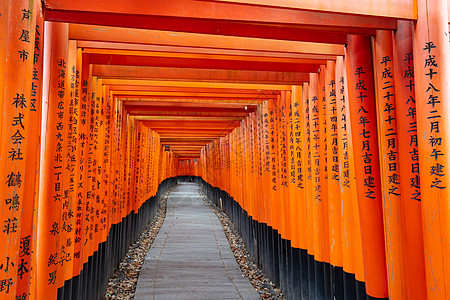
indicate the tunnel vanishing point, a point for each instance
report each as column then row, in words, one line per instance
column 319, row 126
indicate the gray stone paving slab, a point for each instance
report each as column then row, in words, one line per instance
column 190, row 258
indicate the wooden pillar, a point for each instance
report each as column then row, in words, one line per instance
column 259, row 165
column 358, row 252
column 28, row 232
column 69, row 165
column 409, row 158
column 64, row 133
column 296, row 151
column 82, row 144
column 254, row 163
column 51, row 190
column 309, row 193
column 322, row 106
column 247, row 191
column 273, row 165
column 349, row 214
column 432, row 77
column 18, row 29
column 365, row 145
column 80, row 140
column 267, row 187
column 282, row 157
column 334, row 199
column 389, row 162
column 299, row 170
column 318, row 167
column 324, row 218
column 106, row 163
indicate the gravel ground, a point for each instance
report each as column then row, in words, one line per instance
column 122, row 284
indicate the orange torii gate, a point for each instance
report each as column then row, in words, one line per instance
column 321, row 128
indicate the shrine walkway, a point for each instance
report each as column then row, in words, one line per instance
column 191, row 258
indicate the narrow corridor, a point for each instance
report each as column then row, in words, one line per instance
column 191, row 258
column 321, row 128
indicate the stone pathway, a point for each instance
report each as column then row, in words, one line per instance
column 191, row 258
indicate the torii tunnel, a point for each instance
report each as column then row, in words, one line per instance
column 321, row 126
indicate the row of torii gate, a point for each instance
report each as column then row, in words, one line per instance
column 324, row 122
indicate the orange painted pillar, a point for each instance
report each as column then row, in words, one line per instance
column 38, row 64
column 129, row 152
column 273, row 166
column 124, row 147
column 432, row 77
column 106, row 160
column 253, row 172
column 82, row 123
column 132, row 155
column 86, row 85
column 227, row 165
column 26, row 280
column 365, row 144
column 408, row 157
column 309, row 195
column 124, row 173
column 157, row 149
column 225, row 154
column 278, row 208
column 69, row 165
column 317, row 158
column 140, row 141
column 315, row 176
column 324, row 176
column 246, row 153
column 49, row 274
column 289, row 206
column 286, row 242
column 324, row 181
column 234, row 171
column 16, row 68
column 155, row 157
column 104, row 163
column 333, row 165
column 243, row 201
column 348, row 212
column 299, row 166
column 123, row 158
column 283, row 197
column 389, row 164
column 235, row 165
column 114, row 182
column 299, row 179
column 136, row 167
column 151, row 157
column 358, row 252
column 267, row 187
column 62, row 148
column 294, row 200
column 94, row 168
column 99, row 127
column 259, row 165
column 235, row 136
column 334, row 199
